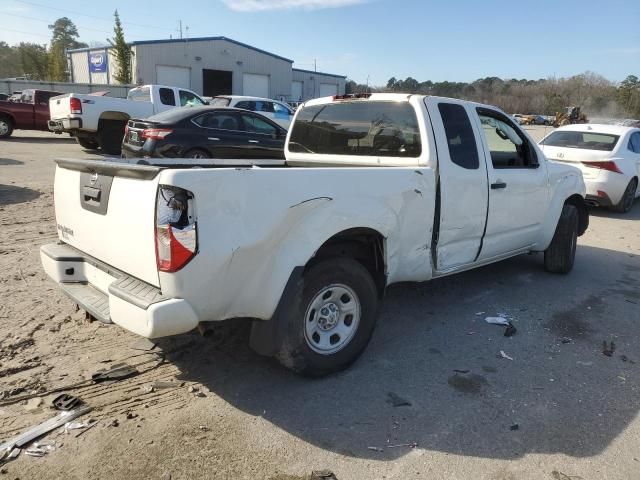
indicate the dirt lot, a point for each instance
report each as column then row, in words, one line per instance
column 556, row 411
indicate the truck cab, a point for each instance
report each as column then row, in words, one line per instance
column 29, row 112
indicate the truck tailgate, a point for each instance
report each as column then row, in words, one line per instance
column 59, row 106
column 107, row 210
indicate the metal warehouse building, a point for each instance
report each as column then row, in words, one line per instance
column 209, row 66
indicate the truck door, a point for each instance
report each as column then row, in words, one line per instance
column 518, row 194
column 462, row 174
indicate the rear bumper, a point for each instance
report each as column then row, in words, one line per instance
column 64, row 124
column 114, row 297
column 607, row 189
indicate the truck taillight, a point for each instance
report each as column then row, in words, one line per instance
column 176, row 228
column 75, row 105
column 156, row 133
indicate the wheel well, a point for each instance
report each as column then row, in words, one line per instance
column 583, row 214
column 364, row 245
column 7, row 116
column 117, row 116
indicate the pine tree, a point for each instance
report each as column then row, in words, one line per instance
column 122, row 52
column 64, row 37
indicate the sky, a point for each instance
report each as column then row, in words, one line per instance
column 374, row 40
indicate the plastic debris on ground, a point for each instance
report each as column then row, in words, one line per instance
column 117, row 372
column 323, row 475
column 78, row 425
column 41, row 429
column 504, row 355
column 497, row 321
column 66, row 402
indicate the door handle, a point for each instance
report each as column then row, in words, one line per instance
column 254, row 141
column 497, row 185
column 213, row 138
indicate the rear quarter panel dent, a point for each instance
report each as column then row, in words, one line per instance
column 257, row 225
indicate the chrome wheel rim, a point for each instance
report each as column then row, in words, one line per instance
column 4, row 127
column 197, row 155
column 332, row 319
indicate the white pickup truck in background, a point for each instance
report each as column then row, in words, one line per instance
column 376, row 189
column 98, row 121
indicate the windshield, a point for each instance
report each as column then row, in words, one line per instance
column 585, row 140
column 386, row 129
column 220, row 102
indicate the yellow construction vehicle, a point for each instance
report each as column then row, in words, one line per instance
column 570, row 117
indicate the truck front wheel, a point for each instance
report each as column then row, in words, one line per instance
column 330, row 324
column 6, row 127
column 559, row 256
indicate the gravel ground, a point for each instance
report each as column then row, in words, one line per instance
column 559, row 410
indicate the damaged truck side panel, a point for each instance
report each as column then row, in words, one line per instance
column 377, row 189
column 260, row 237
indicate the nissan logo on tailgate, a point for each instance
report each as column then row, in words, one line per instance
column 93, row 179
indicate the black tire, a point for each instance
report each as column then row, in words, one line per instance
column 6, row 126
column 295, row 351
column 88, row 143
column 196, row 153
column 560, row 255
column 110, row 137
column 628, row 197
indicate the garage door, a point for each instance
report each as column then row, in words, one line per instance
column 173, row 76
column 296, row 91
column 328, row 89
column 255, row 85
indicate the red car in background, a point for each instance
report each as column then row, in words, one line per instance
column 30, row 112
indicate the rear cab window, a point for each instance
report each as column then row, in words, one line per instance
column 189, row 99
column 361, row 128
column 140, row 94
column 584, row 140
column 461, row 141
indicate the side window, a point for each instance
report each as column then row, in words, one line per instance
column 256, row 125
column 463, row 149
column 634, row 142
column 189, row 99
column 246, row 105
column 508, row 147
column 265, row 107
column 223, row 121
column 167, row 97
column 27, row 96
column 281, row 109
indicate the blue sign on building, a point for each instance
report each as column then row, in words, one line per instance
column 98, row 61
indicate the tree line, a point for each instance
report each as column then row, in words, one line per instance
column 597, row 96
column 49, row 61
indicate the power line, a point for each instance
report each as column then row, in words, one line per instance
column 89, row 16
column 78, row 26
column 25, row 33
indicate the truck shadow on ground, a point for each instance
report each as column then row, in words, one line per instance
column 10, row 194
column 433, row 350
column 634, row 214
column 50, row 139
column 10, row 161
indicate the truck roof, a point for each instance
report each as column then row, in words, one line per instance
column 388, row 97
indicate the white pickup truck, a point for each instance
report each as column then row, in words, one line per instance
column 98, row 121
column 376, row 189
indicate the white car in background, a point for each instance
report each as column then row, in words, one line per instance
column 609, row 157
column 279, row 112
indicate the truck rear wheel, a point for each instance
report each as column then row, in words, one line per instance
column 110, row 137
column 561, row 253
column 6, row 126
column 88, row 143
column 331, row 324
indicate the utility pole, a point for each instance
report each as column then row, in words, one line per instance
column 315, row 66
column 180, row 30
